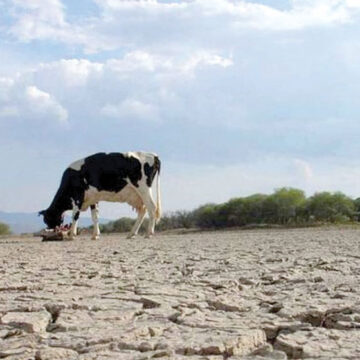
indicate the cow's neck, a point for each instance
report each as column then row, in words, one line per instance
column 61, row 203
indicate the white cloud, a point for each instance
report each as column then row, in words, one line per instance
column 6, row 85
column 140, row 60
column 72, row 72
column 133, row 109
column 303, row 13
column 203, row 58
column 142, row 4
column 46, row 20
column 145, row 61
column 38, row 19
column 138, row 86
column 304, row 169
column 353, row 4
column 119, row 22
column 44, row 105
column 222, row 21
column 27, row 102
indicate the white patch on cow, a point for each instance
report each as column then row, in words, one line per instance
column 95, row 219
column 74, row 205
column 142, row 156
column 74, row 223
column 134, row 154
column 127, row 195
column 146, row 157
column 77, row 165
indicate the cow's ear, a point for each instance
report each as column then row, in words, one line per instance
column 42, row 212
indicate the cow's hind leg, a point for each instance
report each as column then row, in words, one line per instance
column 138, row 222
column 150, row 205
column 95, row 219
column 151, row 208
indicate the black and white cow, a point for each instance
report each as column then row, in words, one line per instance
column 117, row 177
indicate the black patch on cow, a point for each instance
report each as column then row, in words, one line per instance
column 150, row 171
column 108, row 172
column 70, row 190
column 105, row 172
column 92, row 207
column 76, row 216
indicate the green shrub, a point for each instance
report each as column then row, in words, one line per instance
column 4, row 229
column 330, row 207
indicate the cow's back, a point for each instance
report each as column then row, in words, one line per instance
column 111, row 171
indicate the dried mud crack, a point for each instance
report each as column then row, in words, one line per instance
column 256, row 295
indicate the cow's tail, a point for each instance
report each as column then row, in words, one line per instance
column 158, row 194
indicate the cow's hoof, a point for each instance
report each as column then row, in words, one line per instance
column 97, row 237
column 148, row 236
column 131, row 236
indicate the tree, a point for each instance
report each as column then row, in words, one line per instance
column 176, row 220
column 4, row 229
column 357, row 209
column 121, row 225
column 231, row 213
column 253, row 210
column 284, row 206
column 333, row 207
column 206, row 216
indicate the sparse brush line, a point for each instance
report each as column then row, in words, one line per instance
column 285, row 208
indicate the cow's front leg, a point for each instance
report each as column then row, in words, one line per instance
column 74, row 223
column 95, row 219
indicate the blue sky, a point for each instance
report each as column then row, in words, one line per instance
column 236, row 97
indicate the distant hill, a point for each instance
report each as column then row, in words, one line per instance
column 30, row 222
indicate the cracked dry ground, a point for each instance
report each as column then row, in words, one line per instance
column 278, row 294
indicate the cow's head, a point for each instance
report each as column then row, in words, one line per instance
column 52, row 218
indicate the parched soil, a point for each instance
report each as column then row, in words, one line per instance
column 260, row 294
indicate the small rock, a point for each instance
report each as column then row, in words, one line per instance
column 155, row 331
column 32, row 322
column 246, row 281
column 163, row 353
column 219, row 305
column 56, row 354
column 149, row 304
column 275, row 308
column 145, row 346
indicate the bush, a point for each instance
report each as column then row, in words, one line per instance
column 254, row 207
column 284, row 206
column 118, row 226
column 206, row 216
column 331, row 207
column 4, row 229
column 176, row 220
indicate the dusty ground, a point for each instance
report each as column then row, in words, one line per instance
column 274, row 294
